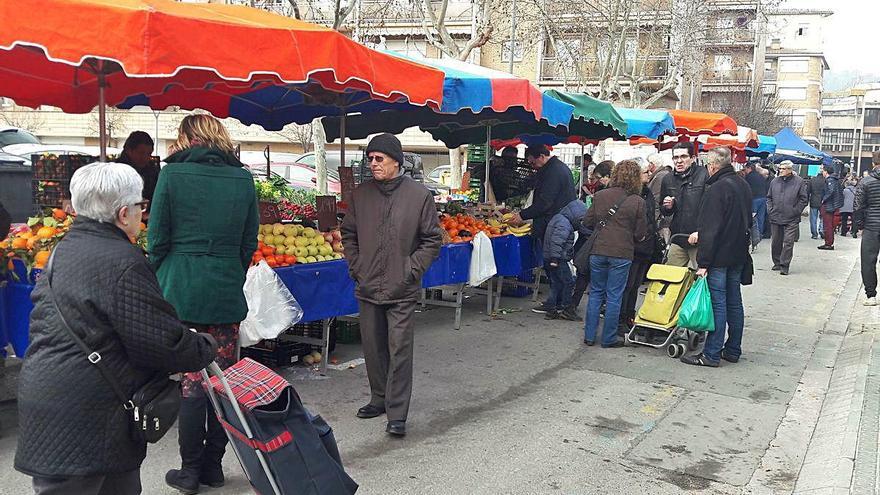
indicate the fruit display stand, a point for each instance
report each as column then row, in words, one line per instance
column 450, row 269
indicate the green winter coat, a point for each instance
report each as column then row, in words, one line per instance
column 203, row 231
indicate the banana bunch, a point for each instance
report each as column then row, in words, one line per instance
column 520, row 231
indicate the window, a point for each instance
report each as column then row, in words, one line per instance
column 792, row 94
column 872, row 117
column 872, row 138
column 797, row 120
column 837, row 136
column 517, row 51
column 802, row 29
column 723, row 63
column 794, row 65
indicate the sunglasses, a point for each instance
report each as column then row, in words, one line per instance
column 375, row 158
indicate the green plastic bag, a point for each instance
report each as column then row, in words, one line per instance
column 696, row 310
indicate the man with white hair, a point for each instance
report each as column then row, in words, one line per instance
column 786, row 199
column 723, row 257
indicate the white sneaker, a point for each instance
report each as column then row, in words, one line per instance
column 871, row 301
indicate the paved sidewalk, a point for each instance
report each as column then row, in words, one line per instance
column 517, row 405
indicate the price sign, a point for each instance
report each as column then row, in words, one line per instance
column 326, row 206
column 346, row 183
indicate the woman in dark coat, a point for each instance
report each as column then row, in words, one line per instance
column 137, row 152
column 201, row 238
column 76, row 436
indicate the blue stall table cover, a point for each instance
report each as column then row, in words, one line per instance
column 18, row 315
column 451, row 267
column 530, row 253
column 324, row 290
column 508, row 256
column 3, row 332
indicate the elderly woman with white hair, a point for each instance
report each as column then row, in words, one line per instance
column 77, row 435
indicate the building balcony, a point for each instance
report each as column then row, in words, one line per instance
column 840, row 149
column 770, row 75
column 728, row 77
column 587, row 71
column 744, row 36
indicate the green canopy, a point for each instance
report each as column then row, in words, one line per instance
column 592, row 119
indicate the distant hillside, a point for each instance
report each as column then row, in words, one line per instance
column 841, row 80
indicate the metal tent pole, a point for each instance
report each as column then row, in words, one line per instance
column 342, row 144
column 486, row 184
column 102, row 111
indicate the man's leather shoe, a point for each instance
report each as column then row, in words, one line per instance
column 370, row 411
column 396, row 428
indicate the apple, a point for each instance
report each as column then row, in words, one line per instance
column 338, row 247
column 290, row 241
column 277, row 228
column 337, row 235
column 328, row 238
column 289, row 231
column 337, row 256
column 320, row 258
column 301, row 242
column 300, row 252
column 279, row 239
column 266, row 229
column 282, row 249
column 318, row 241
column 313, row 250
column 309, row 232
column 269, row 239
column 260, row 237
column 311, row 259
column 324, row 250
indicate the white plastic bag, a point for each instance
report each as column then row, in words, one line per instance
column 482, row 260
column 271, row 307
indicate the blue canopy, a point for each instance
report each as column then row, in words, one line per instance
column 790, row 146
column 646, row 123
column 766, row 147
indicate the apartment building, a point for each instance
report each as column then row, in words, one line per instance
column 795, row 65
column 851, row 125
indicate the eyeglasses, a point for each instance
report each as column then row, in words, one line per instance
column 681, row 157
column 375, row 158
column 143, row 204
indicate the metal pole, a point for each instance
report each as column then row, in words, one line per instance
column 512, row 35
column 583, row 172
column 102, row 111
column 486, row 183
column 342, row 143
column 157, row 114
column 862, row 134
column 852, row 158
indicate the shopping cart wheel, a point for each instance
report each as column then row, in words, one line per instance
column 673, row 351
column 682, row 349
column 693, row 341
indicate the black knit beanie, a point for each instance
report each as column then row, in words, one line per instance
column 388, row 144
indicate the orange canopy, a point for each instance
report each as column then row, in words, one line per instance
column 54, row 52
column 691, row 123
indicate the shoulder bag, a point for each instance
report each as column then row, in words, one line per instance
column 581, row 259
column 153, row 407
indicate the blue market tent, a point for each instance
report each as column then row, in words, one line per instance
column 646, row 123
column 766, row 147
column 790, row 146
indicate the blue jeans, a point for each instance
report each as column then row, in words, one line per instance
column 759, row 210
column 607, row 281
column 814, row 222
column 726, row 291
column 561, row 286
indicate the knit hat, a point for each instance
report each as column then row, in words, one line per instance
column 388, row 144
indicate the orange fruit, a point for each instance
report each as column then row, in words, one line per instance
column 143, row 226
column 19, row 243
column 41, row 257
column 46, row 232
column 26, row 234
column 32, row 242
column 268, row 251
column 58, row 214
column 290, row 259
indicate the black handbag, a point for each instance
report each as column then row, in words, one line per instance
column 153, row 407
column 581, row 258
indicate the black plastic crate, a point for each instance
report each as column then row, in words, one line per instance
column 276, row 353
column 347, row 332
column 314, row 329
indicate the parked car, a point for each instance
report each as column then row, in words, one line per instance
column 23, row 145
column 298, row 175
column 440, row 175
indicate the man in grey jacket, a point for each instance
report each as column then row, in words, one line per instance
column 391, row 236
column 786, row 200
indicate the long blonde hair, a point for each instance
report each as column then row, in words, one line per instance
column 202, row 130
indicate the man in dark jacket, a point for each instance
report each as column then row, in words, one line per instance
column 723, row 257
column 76, row 435
column 786, row 201
column 554, row 188
column 759, row 185
column 391, row 237
column 815, row 187
column 832, row 201
column 682, row 193
column 867, row 216
column 558, row 246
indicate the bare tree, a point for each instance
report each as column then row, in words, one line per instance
column 24, row 118
column 764, row 113
column 301, row 135
column 114, row 121
column 434, row 23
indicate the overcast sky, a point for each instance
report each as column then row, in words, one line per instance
column 852, row 35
